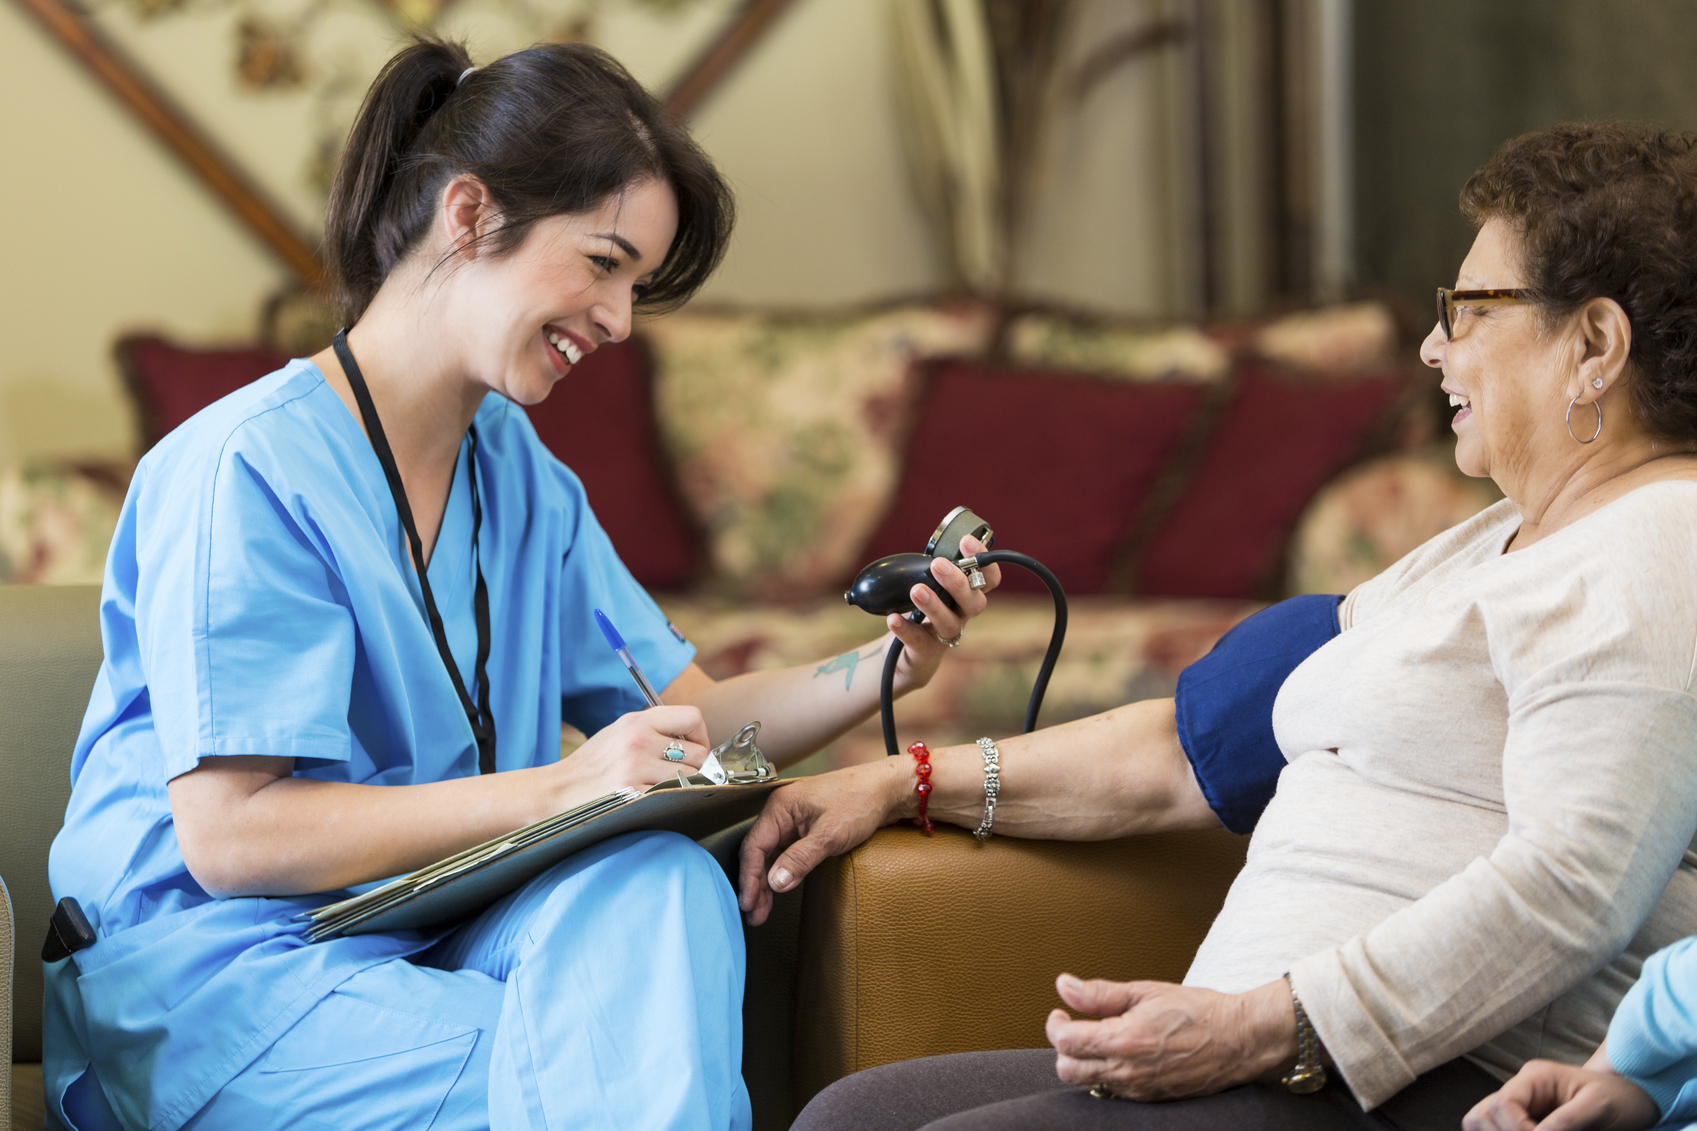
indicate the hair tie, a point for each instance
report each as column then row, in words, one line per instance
column 463, row 75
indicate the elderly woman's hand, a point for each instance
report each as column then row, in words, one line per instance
column 1159, row 1041
column 1564, row 1097
column 814, row 818
column 924, row 644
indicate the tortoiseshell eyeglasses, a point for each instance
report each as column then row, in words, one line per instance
column 1449, row 300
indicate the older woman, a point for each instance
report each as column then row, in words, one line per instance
column 1491, row 790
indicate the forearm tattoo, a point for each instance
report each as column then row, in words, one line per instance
column 846, row 663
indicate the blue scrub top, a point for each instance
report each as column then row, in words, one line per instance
column 260, row 599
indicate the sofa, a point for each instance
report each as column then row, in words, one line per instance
column 745, row 464
column 833, row 981
column 49, row 653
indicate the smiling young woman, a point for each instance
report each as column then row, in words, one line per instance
column 347, row 611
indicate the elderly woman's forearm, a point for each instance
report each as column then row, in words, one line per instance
column 1115, row 774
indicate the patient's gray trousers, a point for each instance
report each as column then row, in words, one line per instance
column 1019, row 1091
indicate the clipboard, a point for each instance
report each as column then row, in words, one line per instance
column 730, row 787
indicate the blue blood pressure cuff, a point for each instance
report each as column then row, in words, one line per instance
column 1224, row 704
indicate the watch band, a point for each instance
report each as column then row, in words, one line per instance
column 1309, row 1075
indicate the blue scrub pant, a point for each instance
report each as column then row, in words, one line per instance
column 606, row 993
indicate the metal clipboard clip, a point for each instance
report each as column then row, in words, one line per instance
column 737, row 761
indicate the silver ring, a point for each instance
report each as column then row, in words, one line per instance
column 954, row 641
column 674, row 752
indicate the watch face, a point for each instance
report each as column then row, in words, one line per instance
column 1306, row 1080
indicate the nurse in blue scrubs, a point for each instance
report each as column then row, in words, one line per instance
column 346, row 612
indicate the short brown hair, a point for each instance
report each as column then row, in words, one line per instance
column 1609, row 210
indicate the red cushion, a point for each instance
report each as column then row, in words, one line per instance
column 600, row 422
column 1057, row 463
column 171, row 383
column 1277, row 442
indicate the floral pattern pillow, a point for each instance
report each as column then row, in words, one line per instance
column 1359, row 336
column 56, row 524
column 786, row 431
column 1181, row 353
column 1369, row 518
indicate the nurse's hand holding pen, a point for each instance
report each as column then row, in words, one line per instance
column 637, row 750
column 615, row 763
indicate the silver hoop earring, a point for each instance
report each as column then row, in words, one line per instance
column 1598, row 405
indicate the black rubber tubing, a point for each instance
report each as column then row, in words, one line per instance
column 887, row 685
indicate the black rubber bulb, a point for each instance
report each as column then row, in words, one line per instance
column 884, row 586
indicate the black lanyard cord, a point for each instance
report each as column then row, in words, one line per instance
column 482, row 719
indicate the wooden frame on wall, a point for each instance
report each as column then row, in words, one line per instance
column 130, row 83
column 108, row 64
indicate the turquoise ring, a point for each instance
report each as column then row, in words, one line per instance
column 674, row 752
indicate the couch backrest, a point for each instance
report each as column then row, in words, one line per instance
column 49, row 654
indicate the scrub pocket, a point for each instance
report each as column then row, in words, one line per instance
column 352, row 1065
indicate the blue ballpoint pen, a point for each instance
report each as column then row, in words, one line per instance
column 617, row 643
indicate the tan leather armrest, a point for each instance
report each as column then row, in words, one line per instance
column 915, row 946
column 6, row 941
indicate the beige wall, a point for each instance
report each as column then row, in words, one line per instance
column 806, row 132
column 114, row 236
column 108, row 233
column 1110, row 220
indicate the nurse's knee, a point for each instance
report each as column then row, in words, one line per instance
column 670, row 854
column 644, row 889
column 665, row 870
column 651, row 874
column 640, row 864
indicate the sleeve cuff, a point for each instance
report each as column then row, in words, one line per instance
column 1667, row 1089
column 314, row 749
column 1673, row 1088
column 676, row 664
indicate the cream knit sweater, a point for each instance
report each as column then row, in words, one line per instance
column 1487, row 817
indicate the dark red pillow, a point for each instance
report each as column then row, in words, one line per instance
column 1279, row 439
column 170, row 383
column 599, row 421
column 1057, row 463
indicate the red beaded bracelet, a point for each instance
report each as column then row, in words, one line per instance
column 923, row 788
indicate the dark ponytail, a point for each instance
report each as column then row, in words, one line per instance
column 553, row 129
